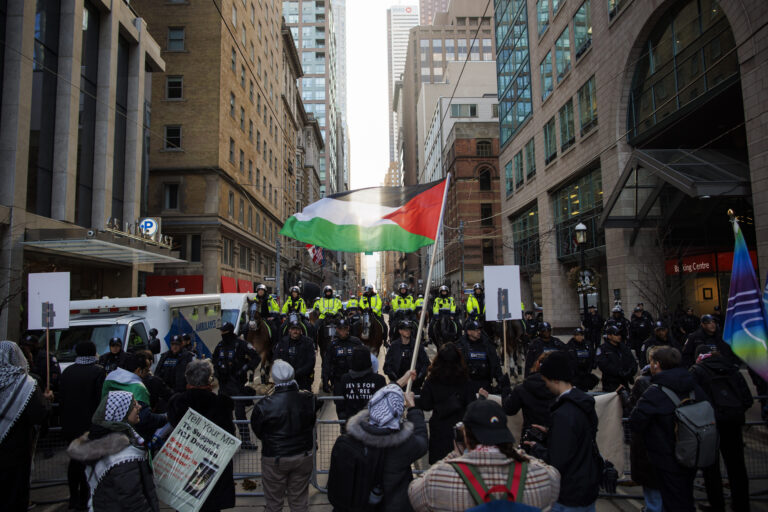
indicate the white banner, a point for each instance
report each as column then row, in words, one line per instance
column 48, row 290
column 191, row 461
column 502, row 293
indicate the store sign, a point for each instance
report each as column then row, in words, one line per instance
column 704, row 263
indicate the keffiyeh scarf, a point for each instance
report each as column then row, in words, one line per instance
column 113, row 412
column 85, row 360
column 16, row 386
column 386, row 407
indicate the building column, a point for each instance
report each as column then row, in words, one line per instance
column 14, row 157
column 67, row 111
column 134, row 134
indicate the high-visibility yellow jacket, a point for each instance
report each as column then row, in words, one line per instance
column 352, row 303
column 291, row 305
column 444, row 303
column 374, row 302
column 403, row 303
column 473, row 306
column 418, row 303
column 329, row 306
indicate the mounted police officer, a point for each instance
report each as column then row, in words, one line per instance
column 353, row 305
column 402, row 304
column 371, row 299
column 299, row 351
column 294, row 303
column 269, row 310
column 481, row 357
column 418, row 304
column 336, row 361
column 543, row 343
column 476, row 303
column 443, row 301
column 328, row 305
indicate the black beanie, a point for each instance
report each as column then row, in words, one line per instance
column 85, row 349
column 361, row 359
column 557, row 365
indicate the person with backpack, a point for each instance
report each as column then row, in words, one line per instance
column 731, row 398
column 655, row 419
column 485, row 465
column 371, row 464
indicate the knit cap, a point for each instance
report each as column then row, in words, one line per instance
column 282, row 373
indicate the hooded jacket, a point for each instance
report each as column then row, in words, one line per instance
column 653, row 416
column 640, row 464
column 533, row 397
column 714, row 366
column 403, row 448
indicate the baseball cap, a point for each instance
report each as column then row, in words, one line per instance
column 707, row 319
column 578, row 330
column 612, row 329
column 473, row 325
column 488, row 423
column 176, row 339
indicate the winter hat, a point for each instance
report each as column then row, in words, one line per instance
column 386, row 407
column 282, row 373
column 556, row 365
column 361, row 359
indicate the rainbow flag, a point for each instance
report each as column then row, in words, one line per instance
column 746, row 324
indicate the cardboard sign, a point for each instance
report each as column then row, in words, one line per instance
column 48, row 301
column 502, row 293
column 191, row 461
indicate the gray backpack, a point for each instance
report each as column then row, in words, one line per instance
column 696, row 438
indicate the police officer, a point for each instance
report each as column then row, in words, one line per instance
column 328, row 305
column 38, row 366
column 482, row 359
column 418, row 304
column 545, row 342
column 687, row 323
column 476, row 302
column 352, row 304
column 232, row 358
column 402, row 303
column 371, row 300
column 115, row 357
column 154, row 342
column 187, row 345
column 661, row 336
column 583, row 355
column 399, row 355
column 648, row 317
column 299, row 351
column 336, row 361
column 294, row 302
column 530, row 325
column 172, row 365
column 707, row 334
column 442, row 301
column 619, row 321
column 268, row 309
column 639, row 329
column 593, row 325
column 616, row 361
column 136, row 343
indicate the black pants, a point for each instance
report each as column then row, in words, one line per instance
column 676, row 489
column 732, row 449
column 79, row 492
column 230, row 388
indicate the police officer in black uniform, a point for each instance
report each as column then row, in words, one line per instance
column 172, row 365
column 232, row 358
column 400, row 353
column 530, row 325
column 115, row 357
column 640, row 327
column 616, row 361
column 482, row 359
column 619, row 321
column 336, row 361
column 299, row 351
column 661, row 336
column 545, row 342
column 707, row 334
column 583, row 355
column 593, row 326
column 188, row 345
column 154, row 342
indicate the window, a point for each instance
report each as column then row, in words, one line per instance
column 546, row 76
column 250, row 91
column 227, row 252
column 525, row 237
column 465, row 110
column 250, row 171
column 509, row 174
column 567, row 130
column 257, row 225
column 242, row 119
column 495, row 110
column 232, row 105
column 234, row 16
column 530, row 159
column 582, row 29
column 242, row 76
column 250, row 130
column 242, row 162
column 488, row 252
column 253, row 14
column 258, row 141
column 241, row 213
column 484, row 178
column 487, row 50
column 176, row 39
column 513, row 68
column 242, row 35
column 231, row 205
column 195, row 248
column 542, row 11
column 556, row 5
column 588, row 106
column 233, row 64
column 486, row 214
column 614, row 6
column 563, row 54
column 245, row 258
column 258, row 103
column 172, row 140
column 550, row 141
column 518, row 168
column 174, row 88
column 250, row 217
column 580, row 200
column 483, row 148
column 232, row 150
column 171, row 196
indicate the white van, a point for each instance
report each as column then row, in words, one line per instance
column 131, row 318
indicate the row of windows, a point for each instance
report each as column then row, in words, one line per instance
column 253, row 222
column 247, row 258
column 554, row 69
column 587, row 99
column 522, row 164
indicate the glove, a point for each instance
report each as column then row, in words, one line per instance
column 610, row 477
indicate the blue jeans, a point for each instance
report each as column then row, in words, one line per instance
column 652, row 500
column 559, row 507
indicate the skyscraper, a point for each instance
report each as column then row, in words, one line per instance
column 429, row 8
column 400, row 19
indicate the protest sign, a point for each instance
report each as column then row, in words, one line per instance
column 191, row 461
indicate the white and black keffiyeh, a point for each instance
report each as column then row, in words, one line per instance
column 16, row 386
column 86, row 360
column 118, row 405
column 386, row 407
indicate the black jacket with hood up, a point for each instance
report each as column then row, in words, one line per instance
column 533, row 397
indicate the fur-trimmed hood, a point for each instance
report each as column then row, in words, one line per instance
column 359, row 428
column 89, row 450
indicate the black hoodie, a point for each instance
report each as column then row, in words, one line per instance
column 571, row 448
column 715, row 375
column 533, row 397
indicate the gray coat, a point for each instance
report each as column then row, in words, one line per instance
column 403, row 448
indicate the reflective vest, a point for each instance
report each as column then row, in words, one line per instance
column 403, row 303
column 418, row 302
column 329, row 306
column 444, row 303
column 291, row 305
column 352, row 303
column 272, row 305
column 473, row 306
column 374, row 302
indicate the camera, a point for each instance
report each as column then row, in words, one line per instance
column 458, row 432
column 532, row 434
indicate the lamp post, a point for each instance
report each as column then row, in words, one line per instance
column 581, row 239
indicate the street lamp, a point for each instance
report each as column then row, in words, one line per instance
column 581, row 239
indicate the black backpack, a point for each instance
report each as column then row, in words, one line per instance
column 725, row 393
column 356, row 469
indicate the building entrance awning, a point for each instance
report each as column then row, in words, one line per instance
column 656, row 181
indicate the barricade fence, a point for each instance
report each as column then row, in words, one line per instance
column 50, row 459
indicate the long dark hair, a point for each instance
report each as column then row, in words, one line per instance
column 449, row 366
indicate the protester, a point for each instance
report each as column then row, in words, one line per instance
column 487, row 449
column 172, row 365
column 118, row 470
column 79, row 397
column 284, row 421
column 731, row 399
column 534, row 398
column 653, row 419
column 40, row 365
column 570, row 446
column 159, row 392
column 358, row 385
column 447, row 393
column 24, row 406
column 398, row 358
column 199, row 396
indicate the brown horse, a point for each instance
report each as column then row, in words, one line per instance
column 259, row 336
column 370, row 331
column 515, row 342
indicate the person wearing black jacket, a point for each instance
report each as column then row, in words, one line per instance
column 542, row 344
column 79, row 397
column 358, row 385
column 707, row 334
column 400, row 353
column 535, row 400
column 298, row 351
column 447, row 393
column 661, row 336
column 688, row 322
column 481, row 357
column 173, row 364
column 639, row 330
column 217, row 408
column 337, row 359
column 583, row 355
column 640, row 464
column 593, row 325
column 653, row 418
column 159, row 392
column 618, row 319
column 571, row 444
column 731, row 399
column 616, row 361
column 38, row 367
column 284, row 421
column 115, row 358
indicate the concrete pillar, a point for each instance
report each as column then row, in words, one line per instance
column 14, row 158
column 211, row 258
column 67, row 111
column 135, row 125
column 103, row 157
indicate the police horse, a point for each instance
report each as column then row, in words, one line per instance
column 369, row 329
column 260, row 337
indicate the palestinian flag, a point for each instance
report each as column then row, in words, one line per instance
column 371, row 219
column 123, row 380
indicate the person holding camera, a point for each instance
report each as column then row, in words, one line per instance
column 484, row 463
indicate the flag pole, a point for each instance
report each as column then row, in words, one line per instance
column 429, row 282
